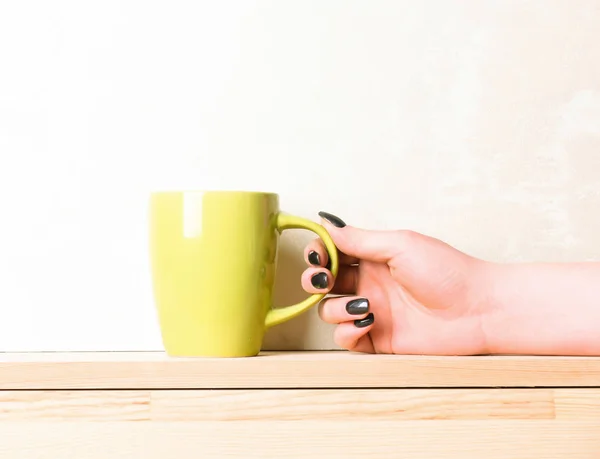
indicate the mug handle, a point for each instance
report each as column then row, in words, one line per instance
column 283, row 222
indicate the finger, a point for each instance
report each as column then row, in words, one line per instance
column 315, row 254
column 317, row 280
column 345, row 283
column 377, row 246
column 347, row 335
column 365, row 344
column 343, row 309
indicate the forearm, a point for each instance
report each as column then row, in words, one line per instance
column 544, row 309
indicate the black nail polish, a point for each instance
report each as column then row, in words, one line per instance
column 314, row 258
column 319, row 280
column 357, row 306
column 335, row 221
column 362, row 323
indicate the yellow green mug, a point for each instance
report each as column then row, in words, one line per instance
column 213, row 258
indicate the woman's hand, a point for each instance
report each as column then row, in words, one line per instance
column 404, row 293
column 407, row 293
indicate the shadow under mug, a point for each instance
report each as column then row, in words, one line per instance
column 213, row 260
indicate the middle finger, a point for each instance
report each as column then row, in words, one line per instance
column 315, row 254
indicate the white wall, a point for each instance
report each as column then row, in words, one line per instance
column 474, row 121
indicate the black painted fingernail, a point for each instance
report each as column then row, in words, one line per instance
column 362, row 323
column 357, row 306
column 335, row 221
column 314, row 258
column 319, row 280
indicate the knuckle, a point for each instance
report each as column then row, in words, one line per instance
column 406, row 237
column 338, row 337
column 324, row 310
column 407, row 240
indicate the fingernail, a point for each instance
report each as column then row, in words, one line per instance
column 314, row 258
column 319, row 280
column 362, row 323
column 357, row 306
column 335, row 221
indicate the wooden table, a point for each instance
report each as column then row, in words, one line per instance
column 282, row 405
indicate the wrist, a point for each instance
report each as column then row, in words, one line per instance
column 492, row 307
column 540, row 309
column 509, row 317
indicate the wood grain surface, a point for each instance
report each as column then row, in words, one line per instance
column 307, row 369
column 300, row 404
column 332, row 439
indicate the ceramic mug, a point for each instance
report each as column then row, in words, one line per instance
column 213, row 259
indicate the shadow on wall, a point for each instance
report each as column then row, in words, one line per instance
column 306, row 331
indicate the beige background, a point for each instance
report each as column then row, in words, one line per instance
column 483, row 121
column 474, row 121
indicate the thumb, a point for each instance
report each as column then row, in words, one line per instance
column 377, row 246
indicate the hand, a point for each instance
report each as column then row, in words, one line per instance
column 404, row 292
column 407, row 293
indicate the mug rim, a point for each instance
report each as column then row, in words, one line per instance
column 190, row 191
